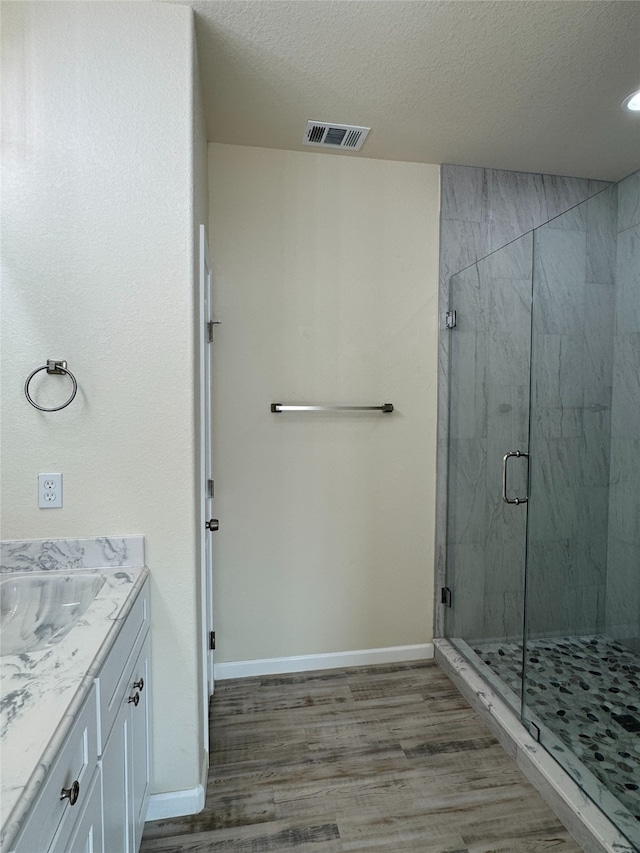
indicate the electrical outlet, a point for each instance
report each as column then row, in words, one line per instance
column 49, row 491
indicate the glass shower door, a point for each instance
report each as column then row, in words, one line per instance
column 581, row 681
column 489, row 351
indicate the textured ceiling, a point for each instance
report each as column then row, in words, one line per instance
column 532, row 85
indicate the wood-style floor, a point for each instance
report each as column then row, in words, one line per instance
column 387, row 758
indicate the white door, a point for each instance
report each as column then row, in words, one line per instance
column 206, row 474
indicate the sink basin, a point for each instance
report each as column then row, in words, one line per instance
column 39, row 609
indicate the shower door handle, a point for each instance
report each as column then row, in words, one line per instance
column 505, row 459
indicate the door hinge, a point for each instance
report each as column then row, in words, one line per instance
column 210, row 326
column 446, row 596
column 212, row 640
column 451, row 319
column 210, row 489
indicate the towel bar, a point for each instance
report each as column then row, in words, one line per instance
column 286, row 407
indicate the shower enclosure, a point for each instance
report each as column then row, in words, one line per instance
column 543, row 503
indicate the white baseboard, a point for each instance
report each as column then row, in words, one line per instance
column 179, row 803
column 333, row 660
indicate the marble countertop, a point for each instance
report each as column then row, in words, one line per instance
column 42, row 691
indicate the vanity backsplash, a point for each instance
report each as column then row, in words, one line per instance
column 44, row 555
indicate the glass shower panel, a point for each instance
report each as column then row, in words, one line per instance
column 570, row 433
column 580, row 683
column 489, row 351
column 622, row 604
column 622, row 601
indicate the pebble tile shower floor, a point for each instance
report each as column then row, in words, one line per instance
column 587, row 691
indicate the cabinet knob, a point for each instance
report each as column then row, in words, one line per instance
column 135, row 699
column 71, row 793
column 139, row 685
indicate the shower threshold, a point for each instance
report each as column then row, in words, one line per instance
column 586, row 690
column 497, row 701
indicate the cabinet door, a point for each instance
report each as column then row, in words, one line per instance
column 125, row 763
column 115, row 786
column 139, row 742
column 51, row 818
column 86, row 836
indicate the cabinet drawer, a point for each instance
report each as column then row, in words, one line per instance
column 75, row 763
column 116, row 673
column 86, row 828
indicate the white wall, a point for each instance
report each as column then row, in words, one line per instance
column 325, row 274
column 97, row 268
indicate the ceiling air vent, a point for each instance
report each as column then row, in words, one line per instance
column 327, row 135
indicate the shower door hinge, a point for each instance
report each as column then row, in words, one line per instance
column 446, row 596
column 210, row 489
column 210, row 326
column 212, row 640
column 451, row 319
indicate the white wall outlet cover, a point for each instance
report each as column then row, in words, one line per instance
column 49, row 491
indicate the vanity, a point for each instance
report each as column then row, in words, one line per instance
column 75, row 702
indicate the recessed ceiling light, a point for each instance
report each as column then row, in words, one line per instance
column 632, row 103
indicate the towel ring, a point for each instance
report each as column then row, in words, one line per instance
column 53, row 367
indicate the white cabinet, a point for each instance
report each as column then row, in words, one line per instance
column 86, row 832
column 115, row 775
column 140, row 745
column 65, row 789
column 126, row 760
column 103, row 764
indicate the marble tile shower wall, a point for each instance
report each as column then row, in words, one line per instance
column 483, row 210
column 623, row 558
column 571, row 377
